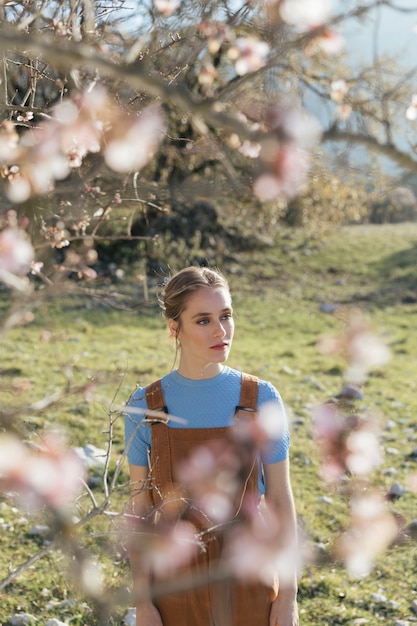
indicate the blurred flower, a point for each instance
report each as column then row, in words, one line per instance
column 216, row 35
column 305, row 13
column 287, row 166
column 293, row 124
column 250, row 149
column 9, row 141
column 50, row 475
column 78, row 126
column 338, row 90
column 348, row 442
column 344, row 111
column 36, row 267
column 163, row 548
column 210, row 476
column 26, row 116
column 249, row 55
column 363, row 452
column 362, row 349
column 327, row 40
column 56, row 235
column 89, row 577
column 373, row 529
column 172, row 549
column 256, row 550
column 284, row 159
column 411, row 112
column 167, row 7
column 272, row 420
column 40, row 165
column 207, row 74
column 16, row 251
column 131, row 145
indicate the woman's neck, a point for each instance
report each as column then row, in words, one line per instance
column 199, row 372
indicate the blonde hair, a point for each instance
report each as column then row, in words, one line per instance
column 181, row 286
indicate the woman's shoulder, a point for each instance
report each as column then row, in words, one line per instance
column 138, row 396
column 266, row 390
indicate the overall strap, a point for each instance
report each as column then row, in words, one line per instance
column 155, row 396
column 160, row 454
column 248, row 397
column 155, row 400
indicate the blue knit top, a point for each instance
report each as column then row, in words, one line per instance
column 206, row 403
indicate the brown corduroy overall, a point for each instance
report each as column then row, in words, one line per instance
column 225, row 603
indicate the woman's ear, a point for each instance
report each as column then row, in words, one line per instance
column 173, row 328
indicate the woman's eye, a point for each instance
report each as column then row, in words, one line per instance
column 203, row 322
column 227, row 316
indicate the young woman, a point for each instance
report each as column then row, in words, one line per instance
column 207, row 396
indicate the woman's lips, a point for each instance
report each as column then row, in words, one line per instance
column 220, row 346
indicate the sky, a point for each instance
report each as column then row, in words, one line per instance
column 388, row 31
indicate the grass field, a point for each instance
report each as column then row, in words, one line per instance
column 279, row 293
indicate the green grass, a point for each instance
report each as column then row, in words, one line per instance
column 277, row 296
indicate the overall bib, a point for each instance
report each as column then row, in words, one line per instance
column 227, row 602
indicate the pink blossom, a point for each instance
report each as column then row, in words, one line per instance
column 272, row 420
column 268, row 187
column 328, row 422
column 41, row 164
column 36, row 267
column 16, row 251
column 366, row 352
column 287, row 166
column 9, row 142
column 207, row 74
column 173, row 549
column 372, row 530
column 50, row 475
column 363, row 452
column 249, row 55
column 256, row 550
column 79, row 124
column 305, row 13
column 362, row 349
column 293, row 124
column 411, row 112
column 344, row 111
column 250, row 149
column 18, row 188
column 348, row 442
column 82, row 125
column 216, row 35
column 338, row 90
column 165, row 548
column 132, row 144
column 210, row 476
column 328, row 41
column 167, row 7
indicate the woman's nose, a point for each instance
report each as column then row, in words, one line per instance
column 219, row 330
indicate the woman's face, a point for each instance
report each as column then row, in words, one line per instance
column 206, row 329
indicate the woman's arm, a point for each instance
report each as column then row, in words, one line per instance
column 279, row 499
column 146, row 613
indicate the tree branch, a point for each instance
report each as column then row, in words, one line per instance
column 78, row 54
column 388, row 150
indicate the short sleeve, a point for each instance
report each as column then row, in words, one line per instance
column 278, row 446
column 137, row 432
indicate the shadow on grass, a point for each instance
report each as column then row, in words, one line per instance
column 397, row 279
